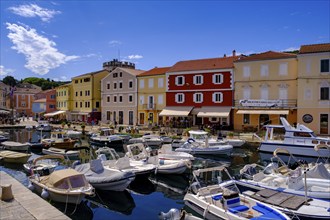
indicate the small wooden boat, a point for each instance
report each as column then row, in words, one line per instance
column 66, row 186
column 14, row 157
column 16, row 146
column 59, row 139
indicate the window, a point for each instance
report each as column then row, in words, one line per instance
column 160, row 99
column 108, row 85
column 115, row 98
column 108, row 115
column 198, row 79
column 120, row 98
column 115, row 75
column 130, row 98
column 198, row 97
column 81, row 105
column 246, row 119
column 120, row 85
column 115, row 85
column 141, row 84
column 76, row 104
column 130, row 84
column 179, row 80
column 308, row 94
column 97, row 104
column 217, row 97
column 80, row 93
column 86, row 104
column 51, row 106
column 23, row 104
column 76, row 81
column 246, row 71
column 108, row 98
column 325, row 66
column 247, row 92
column 141, row 99
column 87, row 79
column 151, row 83
column 264, row 70
column 264, row 92
column 324, row 93
column 160, row 82
column 217, row 78
column 120, row 74
column 283, row 70
column 76, row 93
column 179, row 98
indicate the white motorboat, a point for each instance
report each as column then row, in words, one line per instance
column 105, row 179
column 139, row 154
column 226, row 202
column 106, row 138
column 176, row 214
column 112, row 160
column 71, row 154
column 74, row 134
column 166, row 153
column 200, row 143
column 66, row 186
column 294, row 182
column 16, row 146
column 44, row 126
column 43, row 165
column 298, row 140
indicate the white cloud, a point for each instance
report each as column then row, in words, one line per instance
column 40, row 52
column 62, row 78
column 4, row 71
column 291, row 49
column 134, row 57
column 34, row 10
column 114, row 43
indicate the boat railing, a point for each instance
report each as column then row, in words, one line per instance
column 256, row 136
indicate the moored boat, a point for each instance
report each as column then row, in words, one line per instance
column 14, row 157
column 16, row 146
column 59, row 139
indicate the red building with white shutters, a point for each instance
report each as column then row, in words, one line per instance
column 200, row 92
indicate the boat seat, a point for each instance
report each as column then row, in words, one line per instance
column 234, row 205
column 239, row 208
column 267, row 213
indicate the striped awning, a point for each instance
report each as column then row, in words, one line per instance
column 176, row 111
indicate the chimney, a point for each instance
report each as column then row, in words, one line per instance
column 234, row 53
column 224, row 55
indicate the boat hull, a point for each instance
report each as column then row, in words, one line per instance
column 14, row 157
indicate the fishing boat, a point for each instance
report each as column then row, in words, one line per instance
column 199, row 143
column 59, row 139
column 112, row 160
column 14, row 157
column 65, row 186
column 138, row 153
column 214, row 202
column 298, row 140
column 16, row 146
column 105, row 179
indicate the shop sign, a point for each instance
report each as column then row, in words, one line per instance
column 307, row 118
column 259, row 103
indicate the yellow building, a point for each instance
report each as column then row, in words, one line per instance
column 265, row 89
column 86, row 93
column 314, row 87
column 64, row 101
column 152, row 96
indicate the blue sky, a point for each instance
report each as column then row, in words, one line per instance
column 65, row 38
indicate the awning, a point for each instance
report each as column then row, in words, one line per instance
column 54, row 113
column 4, row 112
column 261, row 112
column 214, row 111
column 176, row 111
column 80, row 113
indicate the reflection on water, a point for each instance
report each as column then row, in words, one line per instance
column 146, row 197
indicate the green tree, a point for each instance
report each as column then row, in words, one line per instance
column 9, row 80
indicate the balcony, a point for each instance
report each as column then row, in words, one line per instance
column 262, row 103
column 149, row 106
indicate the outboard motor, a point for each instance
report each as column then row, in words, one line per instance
column 173, row 214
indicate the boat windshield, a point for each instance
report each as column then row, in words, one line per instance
column 63, row 184
column 77, row 181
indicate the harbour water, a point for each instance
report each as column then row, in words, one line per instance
column 145, row 198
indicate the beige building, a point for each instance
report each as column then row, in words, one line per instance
column 4, row 92
column 64, row 100
column 152, row 96
column 119, row 96
column 265, row 89
column 314, row 87
column 86, row 93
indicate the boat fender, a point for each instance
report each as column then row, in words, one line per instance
column 173, row 214
column 44, row 193
column 190, row 140
column 161, row 162
column 31, row 186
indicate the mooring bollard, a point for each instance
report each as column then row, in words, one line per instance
column 6, row 194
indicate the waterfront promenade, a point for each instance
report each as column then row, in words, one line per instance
column 26, row 204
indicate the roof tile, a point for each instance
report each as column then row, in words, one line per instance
column 269, row 55
column 314, row 48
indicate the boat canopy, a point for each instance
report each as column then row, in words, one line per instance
column 60, row 175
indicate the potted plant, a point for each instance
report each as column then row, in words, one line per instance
column 230, row 134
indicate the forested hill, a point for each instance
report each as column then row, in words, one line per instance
column 41, row 82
